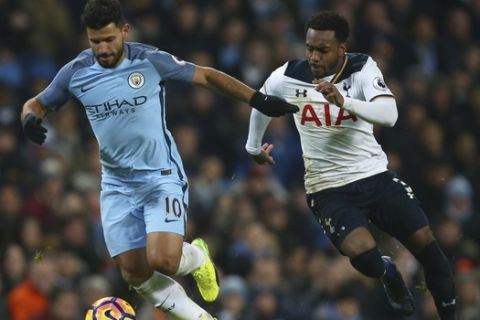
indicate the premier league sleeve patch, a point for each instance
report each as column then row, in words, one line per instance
column 379, row 84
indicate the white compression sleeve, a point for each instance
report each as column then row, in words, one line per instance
column 382, row 111
column 166, row 294
column 258, row 124
column 192, row 258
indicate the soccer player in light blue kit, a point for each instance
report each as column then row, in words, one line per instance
column 144, row 187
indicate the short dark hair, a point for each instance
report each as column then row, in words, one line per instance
column 329, row 20
column 99, row 13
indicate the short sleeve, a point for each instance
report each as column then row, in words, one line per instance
column 274, row 83
column 372, row 82
column 170, row 67
column 57, row 93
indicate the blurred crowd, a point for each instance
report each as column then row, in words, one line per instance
column 275, row 260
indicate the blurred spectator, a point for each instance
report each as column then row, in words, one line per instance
column 425, row 45
column 31, row 297
column 92, row 288
column 468, row 296
column 257, row 64
column 207, row 187
column 11, row 74
column 459, row 206
column 10, row 215
column 234, row 297
column 50, row 27
column 43, row 201
column 457, row 34
column 233, row 34
column 265, row 305
column 32, row 237
column 14, row 266
column 64, row 306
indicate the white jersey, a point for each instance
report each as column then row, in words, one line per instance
column 338, row 147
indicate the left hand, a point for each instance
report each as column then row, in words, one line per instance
column 264, row 156
column 329, row 91
column 33, row 129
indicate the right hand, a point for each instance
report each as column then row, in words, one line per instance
column 33, row 129
column 271, row 106
column 264, row 156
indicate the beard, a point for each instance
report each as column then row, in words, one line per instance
column 111, row 60
column 324, row 70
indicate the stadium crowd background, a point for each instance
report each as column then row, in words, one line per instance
column 275, row 259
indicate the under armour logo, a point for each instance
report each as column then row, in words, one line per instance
column 346, row 87
column 303, row 93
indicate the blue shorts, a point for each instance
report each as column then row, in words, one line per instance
column 382, row 199
column 131, row 207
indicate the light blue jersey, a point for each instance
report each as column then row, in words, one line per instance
column 144, row 186
column 125, row 105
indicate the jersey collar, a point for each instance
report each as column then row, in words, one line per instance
column 342, row 69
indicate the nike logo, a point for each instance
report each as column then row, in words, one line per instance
column 85, row 88
column 171, row 220
column 171, row 307
column 452, row 303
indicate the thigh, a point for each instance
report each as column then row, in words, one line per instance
column 398, row 211
column 122, row 229
column 337, row 214
column 165, row 208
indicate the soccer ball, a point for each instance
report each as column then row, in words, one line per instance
column 110, row 308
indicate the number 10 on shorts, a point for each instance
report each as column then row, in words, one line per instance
column 173, row 205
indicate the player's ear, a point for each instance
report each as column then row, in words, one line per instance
column 125, row 29
column 342, row 48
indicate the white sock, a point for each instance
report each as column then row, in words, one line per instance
column 192, row 258
column 169, row 296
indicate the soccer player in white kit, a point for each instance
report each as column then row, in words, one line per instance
column 144, row 195
column 341, row 96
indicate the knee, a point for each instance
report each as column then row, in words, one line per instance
column 357, row 242
column 420, row 240
column 135, row 275
column 166, row 263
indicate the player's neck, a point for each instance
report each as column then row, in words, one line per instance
column 339, row 66
column 119, row 62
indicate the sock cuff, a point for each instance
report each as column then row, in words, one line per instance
column 192, row 258
column 369, row 263
column 431, row 254
column 146, row 285
column 155, row 281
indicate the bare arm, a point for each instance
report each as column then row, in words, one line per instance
column 33, row 106
column 222, row 83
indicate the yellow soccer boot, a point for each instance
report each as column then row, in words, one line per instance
column 206, row 276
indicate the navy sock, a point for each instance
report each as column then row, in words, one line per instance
column 369, row 263
column 439, row 279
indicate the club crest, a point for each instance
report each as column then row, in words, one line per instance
column 136, row 80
